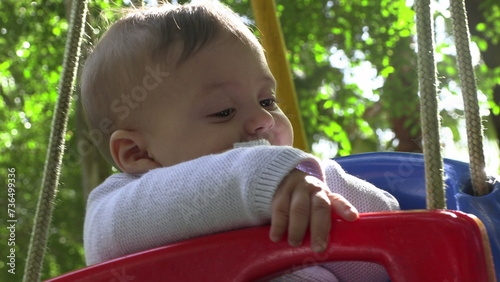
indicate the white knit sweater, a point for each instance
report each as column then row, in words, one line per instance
column 215, row 193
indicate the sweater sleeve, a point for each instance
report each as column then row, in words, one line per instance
column 215, row 193
column 362, row 194
column 366, row 198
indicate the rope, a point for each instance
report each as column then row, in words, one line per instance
column 429, row 106
column 55, row 153
column 469, row 94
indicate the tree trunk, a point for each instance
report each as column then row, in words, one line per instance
column 400, row 99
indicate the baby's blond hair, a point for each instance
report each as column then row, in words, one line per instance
column 128, row 61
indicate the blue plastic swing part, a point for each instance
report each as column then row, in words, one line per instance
column 403, row 175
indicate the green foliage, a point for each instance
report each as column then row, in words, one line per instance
column 29, row 74
column 351, row 33
column 33, row 37
column 490, row 27
column 328, row 43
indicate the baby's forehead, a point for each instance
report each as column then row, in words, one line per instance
column 156, row 71
column 173, row 59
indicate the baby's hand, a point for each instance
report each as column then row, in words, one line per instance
column 303, row 200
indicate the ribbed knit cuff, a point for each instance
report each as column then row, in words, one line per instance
column 280, row 166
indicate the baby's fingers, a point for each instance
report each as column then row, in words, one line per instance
column 320, row 221
column 300, row 213
column 280, row 215
column 343, row 208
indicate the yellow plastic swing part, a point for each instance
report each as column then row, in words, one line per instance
column 274, row 44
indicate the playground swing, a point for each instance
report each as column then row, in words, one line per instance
column 414, row 245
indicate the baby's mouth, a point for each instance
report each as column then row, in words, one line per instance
column 259, row 136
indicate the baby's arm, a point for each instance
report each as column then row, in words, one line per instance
column 207, row 195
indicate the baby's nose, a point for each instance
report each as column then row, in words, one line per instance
column 258, row 122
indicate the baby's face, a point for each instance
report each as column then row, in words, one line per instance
column 222, row 95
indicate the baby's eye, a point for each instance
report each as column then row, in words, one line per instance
column 268, row 103
column 224, row 113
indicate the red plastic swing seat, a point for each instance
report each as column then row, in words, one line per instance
column 418, row 245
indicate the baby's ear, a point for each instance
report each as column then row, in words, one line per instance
column 129, row 152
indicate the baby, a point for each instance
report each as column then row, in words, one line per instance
column 186, row 103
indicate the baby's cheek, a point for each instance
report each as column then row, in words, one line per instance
column 284, row 131
column 217, row 146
